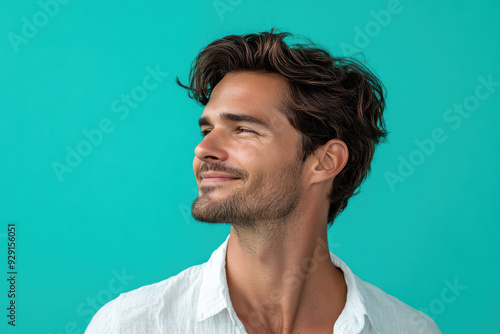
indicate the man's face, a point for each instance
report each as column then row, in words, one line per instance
column 247, row 166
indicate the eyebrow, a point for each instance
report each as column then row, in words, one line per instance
column 235, row 118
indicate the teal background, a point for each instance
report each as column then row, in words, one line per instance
column 125, row 207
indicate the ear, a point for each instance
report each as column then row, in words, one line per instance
column 328, row 160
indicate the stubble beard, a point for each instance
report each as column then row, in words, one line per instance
column 270, row 199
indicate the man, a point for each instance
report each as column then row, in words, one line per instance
column 288, row 136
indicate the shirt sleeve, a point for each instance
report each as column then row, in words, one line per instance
column 105, row 320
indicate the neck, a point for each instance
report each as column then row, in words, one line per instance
column 282, row 279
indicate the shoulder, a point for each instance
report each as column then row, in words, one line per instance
column 152, row 302
column 391, row 315
column 174, row 289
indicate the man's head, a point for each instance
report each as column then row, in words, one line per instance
column 248, row 163
column 305, row 98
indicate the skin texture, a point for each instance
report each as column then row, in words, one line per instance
column 279, row 273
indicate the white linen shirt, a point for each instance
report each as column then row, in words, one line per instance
column 197, row 301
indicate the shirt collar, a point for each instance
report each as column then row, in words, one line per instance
column 214, row 293
column 355, row 313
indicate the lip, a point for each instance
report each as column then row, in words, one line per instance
column 210, row 177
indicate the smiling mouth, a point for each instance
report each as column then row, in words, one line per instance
column 217, row 180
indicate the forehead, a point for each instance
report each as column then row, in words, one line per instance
column 256, row 93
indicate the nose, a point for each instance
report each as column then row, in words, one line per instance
column 212, row 147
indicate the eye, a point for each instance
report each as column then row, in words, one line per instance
column 204, row 133
column 245, row 130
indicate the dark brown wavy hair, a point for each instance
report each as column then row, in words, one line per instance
column 326, row 97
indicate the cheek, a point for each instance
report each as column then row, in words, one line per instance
column 267, row 158
column 265, row 165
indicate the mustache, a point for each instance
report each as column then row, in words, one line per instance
column 217, row 167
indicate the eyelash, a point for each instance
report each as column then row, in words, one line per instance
column 204, row 133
